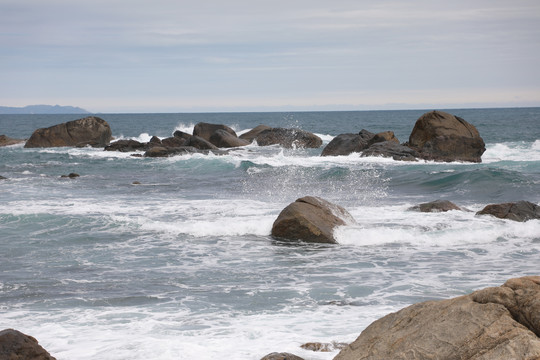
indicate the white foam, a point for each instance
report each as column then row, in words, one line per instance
column 512, row 151
column 186, row 128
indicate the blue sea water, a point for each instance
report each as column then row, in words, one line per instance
column 183, row 266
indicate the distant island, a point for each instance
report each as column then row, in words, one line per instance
column 43, row 109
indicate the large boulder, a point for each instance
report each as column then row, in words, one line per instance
column 440, row 136
column 7, row 141
column 494, row 323
column 310, row 219
column 289, row 138
column 14, row 345
column 345, row 144
column 253, row 133
column 391, row 149
column 517, row 211
column 91, row 130
column 205, row 130
column 224, row 139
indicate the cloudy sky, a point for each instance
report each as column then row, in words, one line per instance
column 245, row 55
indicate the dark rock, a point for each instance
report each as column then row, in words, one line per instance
column 281, row 356
column 383, row 136
column 391, row 149
column 205, row 130
column 440, row 136
column 173, row 142
column 436, row 206
column 224, row 139
column 7, row 141
column 126, row 146
column 288, row 138
column 346, row 144
column 310, row 219
column 493, row 323
column 91, row 131
column 253, row 133
column 518, row 211
column 136, row 183
column 182, row 134
column 14, row 345
column 155, row 141
column 160, row 151
column 71, row 176
column 200, row 143
column 3, row 178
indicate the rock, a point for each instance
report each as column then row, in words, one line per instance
column 205, row 130
column 200, row 143
column 91, row 130
column 71, row 176
column 253, row 133
column 288, row 138
column 14, row 345
column 7, row 141
column 383, row 136
column 281, row 356
column 126, row 146
column 346, row 144
column 518, row 211
column 155, row 141
column 493, row 323
column 224, row 139
column 174, row 141
column 436, row 206
column 182, row 134
column 310, row 219
column 391, row 149
column 161, row 151
column 136, row 183
column 3, row 178
column 440, row 136
column 324, row 347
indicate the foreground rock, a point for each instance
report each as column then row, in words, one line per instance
column 440, row 136
column 493, row 323
column 436, row 206
column 7, row 141
column 281, row 356
column 518, row 211
column 91, row 131
column 289, row 138
column 14, row 345
column 310, row 219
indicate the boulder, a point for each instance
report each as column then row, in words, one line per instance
column 253, row 133
column 14, row 345
column 71, row 176
column 90, row 130
column 281, row 356
column 205, row 130
column 3, row 178
column 436, row 206
column 391, row 149
column 517, row 211
column 310, row 219
column 224, row 139
column 440, row 136
column 126, row 146
column 346, row 144
column 200, row 143
column 288, row 138
column 493, row 323
column 181, row 134
column 173, row 141
column 7, row 141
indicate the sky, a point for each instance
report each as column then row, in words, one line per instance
column 275, row 55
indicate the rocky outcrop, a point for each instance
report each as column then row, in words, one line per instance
column 382, row 137
column 436, row 206
column 392, row 150
column 346, row 144
column 224, row 139
column 253, row 133
column 91, row 130
column 281, row 356
column 161, row 151
column 440, row 136
column 289, row 138
column 493, row 323
column 200, row 143
column 126, row 146
column 517, row 211
column 310, row 219
column 7, row 141
column 206, row 130
column 14, row 345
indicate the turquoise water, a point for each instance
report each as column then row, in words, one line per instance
column 183, row 267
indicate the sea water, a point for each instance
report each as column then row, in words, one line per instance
column 182, row 265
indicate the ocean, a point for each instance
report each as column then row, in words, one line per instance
column 182, row 266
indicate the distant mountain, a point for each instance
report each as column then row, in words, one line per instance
column 43, row 109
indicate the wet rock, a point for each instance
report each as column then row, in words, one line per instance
column 382, row 137
column 436, row 206
column 224, row 139
column 182, row 134
column 281, row 356
column 14, row 345
column 253, row 133
column 288, row 138
column 517, row 211
column 7, row 141
column 3, row 178
column 310, row 219
column 346, row 144
column 200, row 143
column 392, row 150
column 161, row 151
column 71, row 176
column 493, row 323
column 440, row 136
column 91, row 130
column 324, row 347
column 205, row 130
column 126, row 146
column 173, row 141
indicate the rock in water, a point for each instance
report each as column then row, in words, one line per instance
column 436, row 206
column 224, row 139
column 518, row 211
column 14, row 345
column 440, row 136
column 253, row 133
column 7, row 141
column 310, row 219
column 91, row 131
column 281, row 356
column 288, row 138
column 391, row 149
column 493, row 323
column 346, row 144
column 205, row 130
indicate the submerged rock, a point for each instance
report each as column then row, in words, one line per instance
column 7, row 141
column 310, row 219
column 126, row 146
column 517, row 211
column 440, row 136
column 436, row 206
column 14, row 345
column 281, row 356
column 71, row 176
column 493, row 323
column 288, row 138
column 90, row 130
